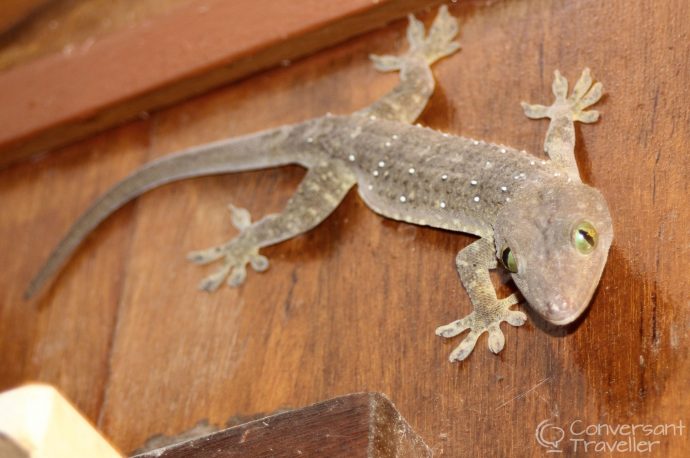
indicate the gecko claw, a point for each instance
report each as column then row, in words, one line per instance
column 478, row 323
column 463, row 350
column 236, row 254
column 496, row 338
column 258, row 262
column 237, row 277
column 241, row 218
column 435, row 45
column 585, row 94
column 213, row 281
column 236, row 258
column 202, row 257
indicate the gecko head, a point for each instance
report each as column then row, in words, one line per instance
column 555, row 240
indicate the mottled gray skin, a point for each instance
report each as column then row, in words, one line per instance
column 506, row 197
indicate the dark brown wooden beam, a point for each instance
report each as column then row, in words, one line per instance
column 14, row 12
column 361, row 424
column 63, row 97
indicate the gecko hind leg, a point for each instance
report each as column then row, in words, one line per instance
column 407, row 100
column 473, row 264
column 560, row 137
column 435, row 45
column 319, row 193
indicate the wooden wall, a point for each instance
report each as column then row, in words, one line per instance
column 352, row 305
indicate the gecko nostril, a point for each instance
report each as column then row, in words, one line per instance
column 557, row 307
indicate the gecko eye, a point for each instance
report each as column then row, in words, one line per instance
column 508, row 260
column 585, row 237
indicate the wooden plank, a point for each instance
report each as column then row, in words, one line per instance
column 362, row 424
column 351, row 306
column 70, row 26
column 63, row 97
column 14, row 12
column 78, row 339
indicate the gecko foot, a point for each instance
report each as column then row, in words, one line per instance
column 480, row 321
column 584, row 95
column 235, row 255
column 435, row 45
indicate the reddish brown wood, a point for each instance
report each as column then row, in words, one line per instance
column 356, row 425
column 68, row 26
column 62, row 97
column 13, row 12
column 352, row 305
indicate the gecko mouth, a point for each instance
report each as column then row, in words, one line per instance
column 561, row 312
column 563, row 317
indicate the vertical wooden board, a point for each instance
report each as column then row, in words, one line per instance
column 64, row 337
column 352, row 305
column 328, row 321
column 253, row 333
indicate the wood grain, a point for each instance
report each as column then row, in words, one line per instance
column 361, row 424
column 14, row 12
column 352, row 305
column 69, row 95
column 66, row 26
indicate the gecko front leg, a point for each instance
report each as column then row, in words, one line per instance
column 320, row 192
column 473, row 264
column 407, row 100
column 560, row 138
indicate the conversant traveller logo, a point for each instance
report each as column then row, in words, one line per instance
column 605, row 438
column 549, row 436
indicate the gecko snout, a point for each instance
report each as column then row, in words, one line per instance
column 561, row 311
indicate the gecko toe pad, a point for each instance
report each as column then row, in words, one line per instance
column 482, row 320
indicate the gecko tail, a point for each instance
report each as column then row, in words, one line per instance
column 257, row 151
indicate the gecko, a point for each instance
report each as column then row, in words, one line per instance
column 534, row 218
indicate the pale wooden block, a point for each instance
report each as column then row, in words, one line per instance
column 43, row 424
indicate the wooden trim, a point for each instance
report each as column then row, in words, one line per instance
column 14, row 12
column 61, row 98
column 361, row 424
